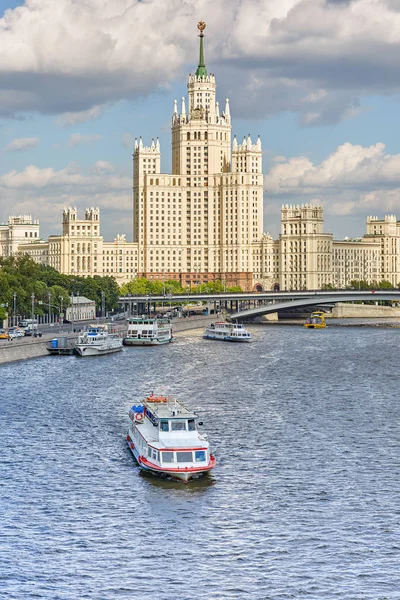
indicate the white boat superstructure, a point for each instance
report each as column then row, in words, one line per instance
column 227, row 332
column 97, row 340
column 164, row 438
column 148, row 331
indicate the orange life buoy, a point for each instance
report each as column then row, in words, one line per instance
column 138, row 416
column 157, row 399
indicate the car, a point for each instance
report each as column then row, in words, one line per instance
column 14, row 332
column 4, row 334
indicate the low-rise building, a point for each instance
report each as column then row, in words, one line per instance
column 81, row 309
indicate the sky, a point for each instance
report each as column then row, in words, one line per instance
column 318, row 80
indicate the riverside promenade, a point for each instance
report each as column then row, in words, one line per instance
column 26, row 348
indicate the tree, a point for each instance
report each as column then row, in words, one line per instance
column 2, row 315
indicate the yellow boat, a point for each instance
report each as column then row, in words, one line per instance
column 316, row 320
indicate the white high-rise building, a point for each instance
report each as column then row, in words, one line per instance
column 203, row 221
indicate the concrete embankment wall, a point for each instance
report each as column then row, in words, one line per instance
column 192, row 323
column 25, row 348
column 22, row 349
column 343, row 310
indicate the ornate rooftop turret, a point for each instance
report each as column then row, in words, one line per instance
column 201, row 69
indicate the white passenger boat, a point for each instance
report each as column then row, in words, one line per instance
column 163, row 437
column 227, row 332
column 96, row 341
column 146, row 331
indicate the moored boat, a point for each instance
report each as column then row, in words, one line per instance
column 146, row 331
column 227, row 332
column 96, row 341
column 316, row 320
column 163, row 437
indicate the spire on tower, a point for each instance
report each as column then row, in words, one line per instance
column 234, row 144
column 136, row 143
column 158, row 145
column 183, row 111
column 140, row 142
column 227, row 111
column 217, row 109
column 175, row 107
column 258, row 143
column 249, row 142
column 152, row 143
column 201, row 69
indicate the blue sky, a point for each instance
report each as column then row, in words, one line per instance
column 317, row 79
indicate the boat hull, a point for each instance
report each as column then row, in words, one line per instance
column 226, row 338
column 184, row 474
column 92, row 351
column 144, row 342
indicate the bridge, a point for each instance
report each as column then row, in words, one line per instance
column 309, row 299
column 263, row 302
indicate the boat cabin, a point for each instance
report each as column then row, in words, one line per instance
column 169, row 433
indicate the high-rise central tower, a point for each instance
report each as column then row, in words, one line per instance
column 201, row 222
column 201, row 133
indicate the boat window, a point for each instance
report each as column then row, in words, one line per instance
column 155, row 454
column 149, row 452
column 184, row 457
column 164, row 426
column 200, row 455
column 191, row 425
column 178, row 425
column 167, row 457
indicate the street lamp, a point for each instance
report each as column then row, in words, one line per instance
column 72, row 311
column 33, row 306
column 49, row 297
column 15, row 309
column 102, row 303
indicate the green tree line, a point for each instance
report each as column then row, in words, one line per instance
column 22, row 276
column 356, row 284
column 144, row 287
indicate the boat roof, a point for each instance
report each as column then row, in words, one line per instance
column 168, row 408
column 148, row 320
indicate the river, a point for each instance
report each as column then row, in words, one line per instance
column 303, row 503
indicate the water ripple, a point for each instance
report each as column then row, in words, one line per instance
column 303, row 504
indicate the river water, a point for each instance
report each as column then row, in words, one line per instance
column 304, row 501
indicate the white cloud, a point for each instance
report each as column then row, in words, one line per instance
column 127, row 140
column 102, row 166
column 353, row 180
column 77, row 139
column 43, row 192
column 19, row 144
column 313, row 57
column 72, row 118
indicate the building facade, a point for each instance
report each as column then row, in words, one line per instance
column 203, row 221
column 81, row 249
column 18, row 230
column 306, row 258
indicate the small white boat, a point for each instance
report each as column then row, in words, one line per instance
column 97, row 340
column 227, row 332
column 146, row 331
column 164, row 439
